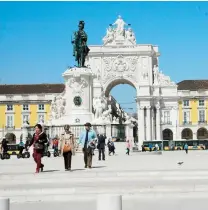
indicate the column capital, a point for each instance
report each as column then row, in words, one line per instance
column 157, row 107
column 148, row 107
column 141, row 107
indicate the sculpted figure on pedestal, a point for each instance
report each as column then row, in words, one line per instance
column 109, row 35
column 130, row 36
column 120, row 26
column 80, row 48
column 106, row 116
column 99, row 105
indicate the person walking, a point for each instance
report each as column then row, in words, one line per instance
column 67, row 147
column 186, row 148
column 21, row 147
column 87, row 141
column 101, row 146
column 128, row 147
column 38, row 140
column 111, row 147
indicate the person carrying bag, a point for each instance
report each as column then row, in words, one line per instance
column 67, row 147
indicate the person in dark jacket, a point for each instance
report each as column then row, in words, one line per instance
column 38, row 141
column 101, row 146
column 5, row 145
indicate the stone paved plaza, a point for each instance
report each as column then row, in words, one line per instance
column 143, row 179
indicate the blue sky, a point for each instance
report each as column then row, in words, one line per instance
column 35, row 37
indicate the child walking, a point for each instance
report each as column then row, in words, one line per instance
column 127, row 147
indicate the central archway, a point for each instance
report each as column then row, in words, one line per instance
column 121, row 94
column 114, row 82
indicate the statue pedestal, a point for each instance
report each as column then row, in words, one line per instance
column 78, row 96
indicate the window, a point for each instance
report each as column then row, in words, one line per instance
column 201, row 102
column 25, row 107
column 25, row 117
column 186, row 117
column 166, row 116
column 186, row 103
column 9, row 107
column 41, row 107
column 10, row 121
column 201, row 115
column 41, row 118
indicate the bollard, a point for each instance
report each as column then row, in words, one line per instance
column 109, row 202
column 4, row 204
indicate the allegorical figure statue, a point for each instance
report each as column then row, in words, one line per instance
column 80, row 48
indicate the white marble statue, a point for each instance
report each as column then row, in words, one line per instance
column 109, row 35
column 130, row 36
column 120, row 26
column 99, row 106
column 25, row 130
column 156, row 74
column 106, row 116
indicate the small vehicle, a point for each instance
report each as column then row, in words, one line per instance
column 23, row 155
column 4, row 156
column 13, row 149
column 46, row 151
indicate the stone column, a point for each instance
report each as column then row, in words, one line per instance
column 141, row 130
column 153, row 124
column 148, row 124
column 158, row 127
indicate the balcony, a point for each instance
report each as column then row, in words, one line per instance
column 187, row 123
column 166, row 123
column 10, row 127
column 202, row 122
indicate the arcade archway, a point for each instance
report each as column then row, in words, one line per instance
column 167, row 134
column 187, row 134
column 202, row 133
column 11, row 138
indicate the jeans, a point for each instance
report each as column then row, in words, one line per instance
column 67, row 159
column 37, row 158
column 87, row 158
column 102, row 153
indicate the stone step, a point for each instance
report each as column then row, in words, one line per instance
column 81, row 193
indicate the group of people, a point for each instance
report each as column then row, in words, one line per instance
column 67, row 147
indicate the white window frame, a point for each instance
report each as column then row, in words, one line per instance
column 186, row 106
column 41, row 114
column 26, row 110
column 166, row 118
column 187, row 121
column 23, row 116
column 11, row 109
column 10, row 115
column 199, row 103
column 205, row 117
column 41, row 110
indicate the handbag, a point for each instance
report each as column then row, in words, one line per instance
column 67, row 148
column 38, row 146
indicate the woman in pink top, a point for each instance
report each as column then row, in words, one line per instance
column 128, row 147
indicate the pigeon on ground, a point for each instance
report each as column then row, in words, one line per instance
column 180, row 163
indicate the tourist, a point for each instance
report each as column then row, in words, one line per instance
column 156, row 147
column 4, row 145
column 21, row 147
column 87, row 141
column 186, row 148
column 101, row 146
column 55, row 144
column 111, row 146
column 38, row 141
column 67, row 147
column 128, row 147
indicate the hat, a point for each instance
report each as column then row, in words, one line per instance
column 87, row 124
